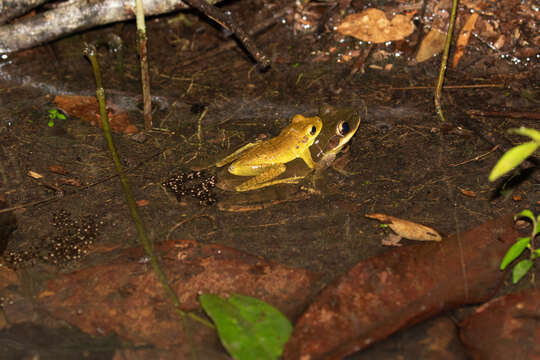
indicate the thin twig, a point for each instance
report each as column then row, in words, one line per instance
column 444, row 61
column 471, row 86
column 226, row 20
column 260, row 27
column 143, row 54
column 508, row 114
column 199, row 127
column 476, row 158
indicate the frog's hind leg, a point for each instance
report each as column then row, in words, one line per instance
column 263, row 179
column 235, row 155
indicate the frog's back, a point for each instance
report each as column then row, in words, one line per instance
column 276, row 150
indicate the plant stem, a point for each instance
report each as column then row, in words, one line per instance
column 90, row 52
column 145, row 78
column 444, row 61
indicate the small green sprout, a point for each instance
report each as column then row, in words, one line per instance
column 517, row 154
column 53, row 115
column 523, row 267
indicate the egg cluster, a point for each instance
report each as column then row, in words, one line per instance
column 70, row 241
column 197, row 184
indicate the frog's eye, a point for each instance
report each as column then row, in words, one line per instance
column 343, row 128
column 313, row 130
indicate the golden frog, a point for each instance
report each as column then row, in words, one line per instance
column 265, row 161
column 338, row 127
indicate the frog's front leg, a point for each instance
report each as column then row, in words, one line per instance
column 306, row 156
column 263, row 179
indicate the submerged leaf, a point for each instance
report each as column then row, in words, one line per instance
column 431, row 45
column 373, row 25
column 463, row 39
column 248, row 328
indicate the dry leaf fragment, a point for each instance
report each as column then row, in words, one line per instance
column 34, row 174
column 70, row 181
column 467, row 192
column 373, row 25
column 463, row 39
column 57, row 169
column 142, row 202
column 407, row 229
column 432, row 44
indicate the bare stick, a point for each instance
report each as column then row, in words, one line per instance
column 226, row 20
column 145, row 78
column 12, row 9
column 444, row 61
column 77, row 16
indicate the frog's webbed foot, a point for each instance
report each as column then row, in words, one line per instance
column 236, row 154
column 315, row 183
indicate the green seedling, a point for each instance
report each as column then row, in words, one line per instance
column 517, row 154
column 523, row 267
column 53, row 115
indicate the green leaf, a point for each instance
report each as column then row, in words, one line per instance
column 514, row 251
column 521, row 269
column 248, row 328
column 526, row 213
column 50, row 123
column 512, row 158
column 532, row 133
column 61, row 116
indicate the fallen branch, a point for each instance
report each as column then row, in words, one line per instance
column 13, row 9
column 79, row 15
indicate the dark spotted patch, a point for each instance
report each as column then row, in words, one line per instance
column 197, row 184
column 70, row 242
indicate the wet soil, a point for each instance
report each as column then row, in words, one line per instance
column 403, row 161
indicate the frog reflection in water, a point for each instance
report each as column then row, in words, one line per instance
column 303, row 138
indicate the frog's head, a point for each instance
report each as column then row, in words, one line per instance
column 339, row 126
column 306, row 128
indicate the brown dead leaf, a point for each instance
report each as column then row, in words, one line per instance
column 87, row 109
column 463, row 39
column 70, row 181
column 468, row 193
column 373, row 25
column 34, row 174
column 142, row 202
column 57, row 169
column 517, row 197
column 407, row 229
column 432, row 44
